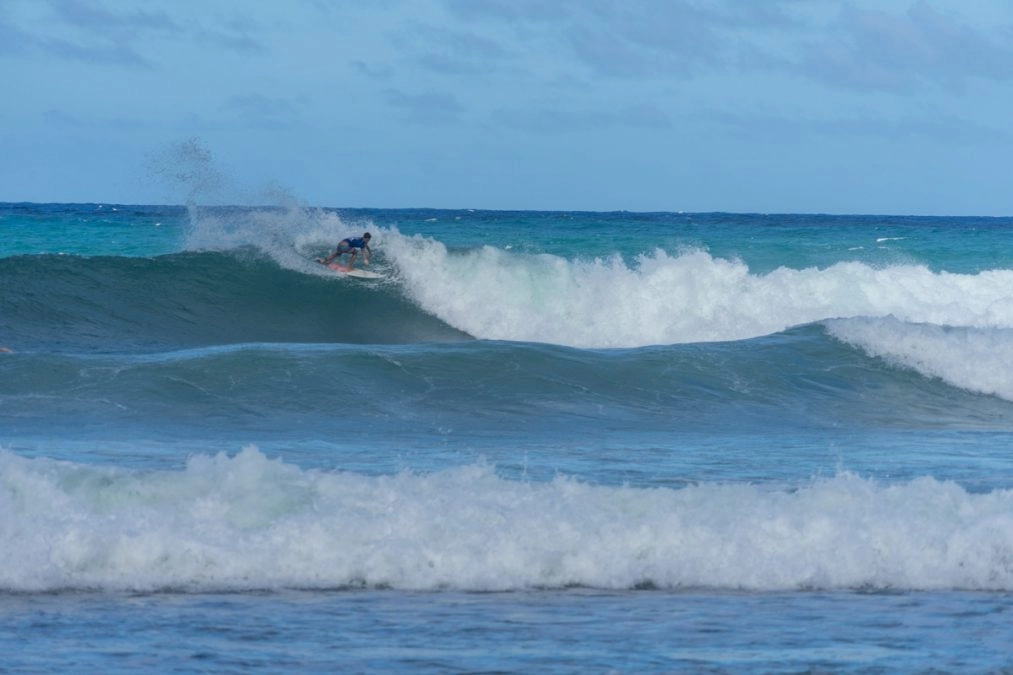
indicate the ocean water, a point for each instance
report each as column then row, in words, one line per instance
column 552, row 442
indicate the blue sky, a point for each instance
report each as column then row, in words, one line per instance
column 859, row 106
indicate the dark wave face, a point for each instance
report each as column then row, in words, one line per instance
column 196, row 299
column 481, row 388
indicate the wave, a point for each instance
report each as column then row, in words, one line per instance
column 800, row 379
column 661, row 298
column 248, row 522
column 973, row 359
column 633, row 299
column 194, row 299
column 245, row 277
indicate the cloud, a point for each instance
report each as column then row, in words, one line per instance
column 509, row 10
column 91, row 32
column 451, row 51
column 556, row 120
column 103, row 36
column 648, row 38
column 330, row 6
column 13, row 40
column 232, row 41
column 86, row 45
column 78, row 122
column 427, row 107
column 378, row 71
column 263, row 111
column 609, row 39
column 94, row 17
column 834, row 42
column 876, row 50
column 776, row 14
column 639, row 38
column 102, row 53
column 920, row 128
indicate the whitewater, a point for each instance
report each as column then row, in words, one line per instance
column 691, row 297
column 249, row 523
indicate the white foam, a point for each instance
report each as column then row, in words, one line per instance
column 665, row 299
column 975, row 359
column 249, row 522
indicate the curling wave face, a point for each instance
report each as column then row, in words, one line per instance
column 196, row 299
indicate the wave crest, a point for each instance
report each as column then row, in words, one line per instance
column 975, row 359
column 660, row 298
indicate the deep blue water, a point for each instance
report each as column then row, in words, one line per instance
column 544, row 441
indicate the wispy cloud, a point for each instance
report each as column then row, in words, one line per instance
column 91, row 32
column 263, row 111
column 429, row 107
column 85, row 45
column 13, row 40
column 833, row 42
column 452, row 51
column 103, row 36
column 643, row 38
column 63, row 119
column 872, row 49
column 95, row 17
column 920, row 128
column 377, row 71
column 558, row 119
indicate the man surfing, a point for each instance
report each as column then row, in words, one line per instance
column 352, row 247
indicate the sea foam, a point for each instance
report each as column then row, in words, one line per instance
column 665, row 298
column 248, row 522
column 975, row 359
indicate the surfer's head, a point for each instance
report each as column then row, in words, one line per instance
column 367, row 235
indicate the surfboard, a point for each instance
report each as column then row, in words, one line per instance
column 357, row 273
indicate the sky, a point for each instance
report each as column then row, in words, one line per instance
column 769, row 106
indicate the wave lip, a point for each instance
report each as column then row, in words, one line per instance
column 247, row 522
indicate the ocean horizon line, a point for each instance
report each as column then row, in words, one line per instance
column 468, row 209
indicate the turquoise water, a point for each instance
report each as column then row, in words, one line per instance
column 544, row 441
